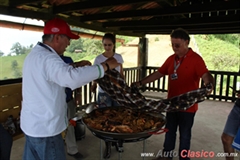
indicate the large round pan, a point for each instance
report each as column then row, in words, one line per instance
column 125, row 135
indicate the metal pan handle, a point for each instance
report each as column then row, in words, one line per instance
column 72, row 122
column 160, row 131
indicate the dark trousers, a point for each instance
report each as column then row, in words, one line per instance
column 183, row 120
column 5, row 144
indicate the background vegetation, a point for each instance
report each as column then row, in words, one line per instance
column 221, row 53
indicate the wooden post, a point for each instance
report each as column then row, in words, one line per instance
column 143, row 58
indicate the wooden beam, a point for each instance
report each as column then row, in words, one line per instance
column 28, row 27
column 157, row 28
column 168, row 30
column 71, row 20
column 200, row 31
column 77, row 6
column 168, row 11
column 21, row 2
column 174, row 22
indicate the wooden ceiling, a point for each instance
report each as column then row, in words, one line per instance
column 134, row 17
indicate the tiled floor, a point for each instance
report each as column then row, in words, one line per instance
column 206, row 136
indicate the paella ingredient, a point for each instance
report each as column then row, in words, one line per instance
column 123, row 120
column 121, row 129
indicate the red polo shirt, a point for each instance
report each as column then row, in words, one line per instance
column 189, row 72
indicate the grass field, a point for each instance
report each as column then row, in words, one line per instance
column 6, row 71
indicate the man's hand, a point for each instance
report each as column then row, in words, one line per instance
column 136, row 84
column 112, row 62
column 209, row 87
column 82, row 63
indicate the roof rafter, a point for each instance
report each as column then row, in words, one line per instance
column 71, row 20
column 133, row 17
column 196, row 8
column 207, row 31
column 205, row 26
column 21, row 2
column 77, row 6
column 180, row 21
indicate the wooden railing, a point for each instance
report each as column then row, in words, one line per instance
column 131, row 75
column 223, row 81
column 10, row 105
column 222, row 92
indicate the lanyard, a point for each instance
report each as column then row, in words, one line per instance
column 44, row 46
column 177, row 65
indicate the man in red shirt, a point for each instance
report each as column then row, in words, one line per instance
column 184, row 69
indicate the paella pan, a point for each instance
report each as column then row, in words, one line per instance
column 123, row 123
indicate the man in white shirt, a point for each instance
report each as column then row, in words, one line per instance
column 45, row 77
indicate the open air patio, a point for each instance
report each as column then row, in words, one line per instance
column 134, row 18
column 206, row 136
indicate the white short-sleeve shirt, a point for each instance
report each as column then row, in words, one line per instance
column 101, row 58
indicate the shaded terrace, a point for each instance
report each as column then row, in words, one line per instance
column 206, row 135
column 137, row 18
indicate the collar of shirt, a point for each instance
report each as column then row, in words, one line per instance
column 189, row 53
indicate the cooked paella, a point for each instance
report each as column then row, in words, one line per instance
column 123, row 120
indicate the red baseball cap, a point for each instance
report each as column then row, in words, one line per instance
column 59, row 26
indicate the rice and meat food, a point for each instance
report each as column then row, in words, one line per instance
column 122, row 120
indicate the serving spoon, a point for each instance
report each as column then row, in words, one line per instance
column 91, row 106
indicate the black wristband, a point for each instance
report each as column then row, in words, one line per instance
column 140, row 82
column 107, row 66
column 209, row 86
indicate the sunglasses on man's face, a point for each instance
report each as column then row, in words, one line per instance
column 176, row 45
column 109, row 45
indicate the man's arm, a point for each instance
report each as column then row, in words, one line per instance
column 152, row 77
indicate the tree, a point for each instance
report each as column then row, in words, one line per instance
column 1, row 53
column 75, row 45
column 14, row 64
column 18, row 49
column 229, row 38
column 31, row 46
column 16, row 72
column 93, row 46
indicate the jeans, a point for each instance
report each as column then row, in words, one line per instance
column 104, row 100
column 5, row 144
column 183, row 120
column 45, row 148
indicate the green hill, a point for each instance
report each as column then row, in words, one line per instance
column 218, row 54
column 7, row 62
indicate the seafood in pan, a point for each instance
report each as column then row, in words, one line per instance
column 122, row 120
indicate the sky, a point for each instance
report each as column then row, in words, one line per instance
column 10, row 36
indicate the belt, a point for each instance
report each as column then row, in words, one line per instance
column 69, row 100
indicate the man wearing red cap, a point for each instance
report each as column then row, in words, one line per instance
column 45, row 77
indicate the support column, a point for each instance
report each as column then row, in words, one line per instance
column 143, row 57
